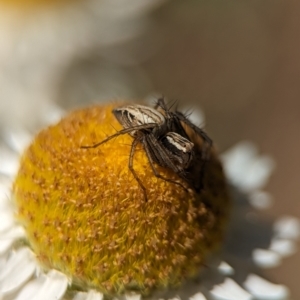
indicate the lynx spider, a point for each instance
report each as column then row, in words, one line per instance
column 163, row 138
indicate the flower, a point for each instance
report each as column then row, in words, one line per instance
column 85, row 213
column 230, row 274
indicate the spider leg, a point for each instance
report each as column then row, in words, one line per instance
column 123, row 131
column 156, row 153
column 130, row 166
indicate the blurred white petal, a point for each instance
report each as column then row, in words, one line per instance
column 245, row 168
column 229, row 290
column 91, row 295
column 287, row 228
column 260, row 199
column 225, row 269
column 5, row 245
column 18, row 139
column 51, row 113
column 5, row 200
column 133, row 296
column 264, row 290
column 7, row 221
column 198, row 296
column 9, row 162
column 14, row 232
column 266, row 258
column 283, row 247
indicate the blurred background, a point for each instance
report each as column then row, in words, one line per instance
column 239, row 61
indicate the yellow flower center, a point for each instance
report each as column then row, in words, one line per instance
column 86, row 215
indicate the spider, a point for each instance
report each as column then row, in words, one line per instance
column 150, row 128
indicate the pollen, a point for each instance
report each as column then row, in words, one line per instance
column 85, row 214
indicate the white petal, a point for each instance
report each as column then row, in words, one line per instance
column 31, row 288
column 5, row 245
column 51, row 113
column 4, row 195
column 19, row 267
column 5, row 182
column 9, row 162
column 51, row 286
column 6, row 208
column 198, row 296
column 3, row 259
column 133, row 296
column 8, row 236
column 245, row 169
column 7, row 221
column 79, row 296
column 91, row 295
column 54, row 287
column 236, row 160
column 18, row 139
column 257, row 175
column 287, row 228
column 13, row 232
column 225, row 269
column 264, row 290
column 229, row 290
column 260, row 200
column 266, row 258
column 283, row 247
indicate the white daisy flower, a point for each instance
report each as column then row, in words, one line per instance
column 251, row 243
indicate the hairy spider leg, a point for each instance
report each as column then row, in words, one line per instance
column 130, row 166
column 123, row 131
